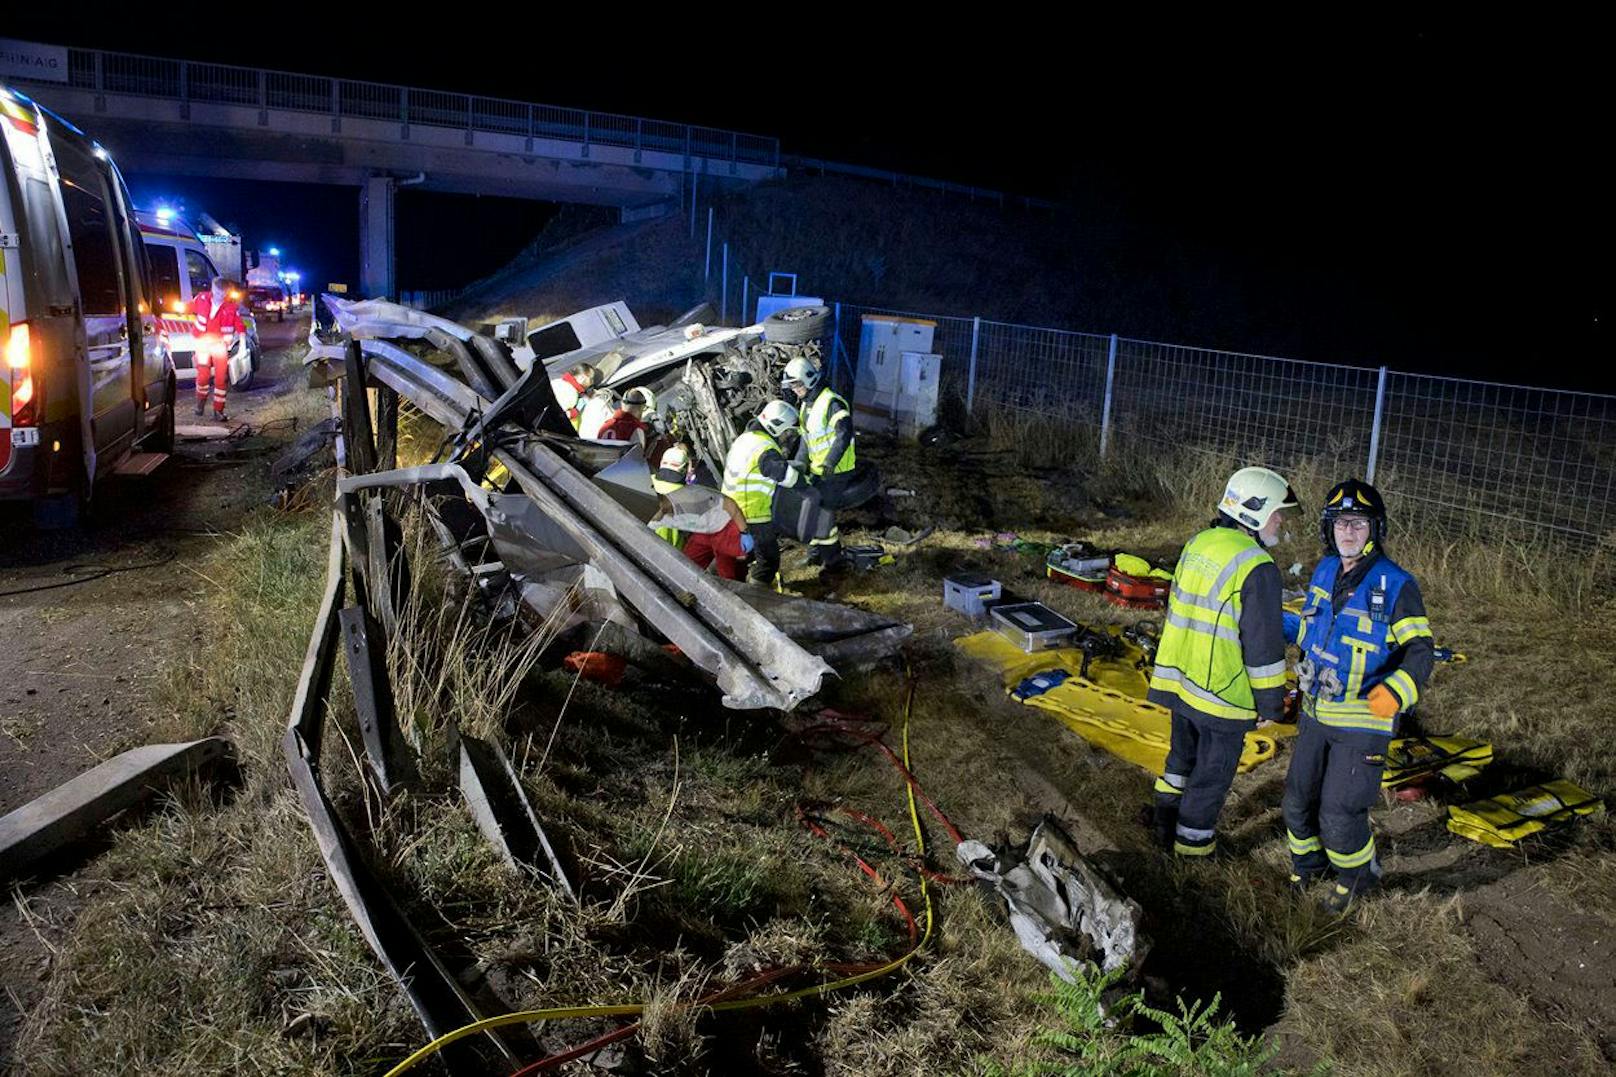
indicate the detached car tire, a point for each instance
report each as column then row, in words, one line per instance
column 796, row 325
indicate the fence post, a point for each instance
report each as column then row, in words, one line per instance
column 1105, row 409
column 836, row 338
column 1374, row 431
column 707, row 268
column 723, row 300
column 746, row 287
column 970, row 377
column 695, row 179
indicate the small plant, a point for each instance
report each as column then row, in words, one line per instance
column 1095, row 1037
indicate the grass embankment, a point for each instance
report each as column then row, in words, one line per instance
column 1399, row 986
column 215, row 943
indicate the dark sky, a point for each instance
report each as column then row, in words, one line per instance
column 1441, row 177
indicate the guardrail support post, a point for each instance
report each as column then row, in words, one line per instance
column 1374, row 431
column 336, row 107
column 586, row 136
column 263, row 103
column 1105, row 409
column 185, row 90
column 707, row 268
column 100, row 82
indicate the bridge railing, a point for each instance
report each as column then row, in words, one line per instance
column 188, row 81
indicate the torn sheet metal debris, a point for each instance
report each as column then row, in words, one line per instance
column 1061, row 908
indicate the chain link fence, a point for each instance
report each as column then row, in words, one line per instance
column 1476, row 459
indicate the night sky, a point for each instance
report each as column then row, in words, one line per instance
column 1431, row 185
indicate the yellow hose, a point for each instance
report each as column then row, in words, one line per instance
column 524, row 1017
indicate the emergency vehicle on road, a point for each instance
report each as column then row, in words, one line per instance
column 182, row 270
column 85, row 384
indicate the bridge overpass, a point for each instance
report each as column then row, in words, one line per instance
column 224, row 122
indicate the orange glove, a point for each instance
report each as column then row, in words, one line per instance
column 1383, row 702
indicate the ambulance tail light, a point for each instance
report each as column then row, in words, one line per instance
column 26, row 404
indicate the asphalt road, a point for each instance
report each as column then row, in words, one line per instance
column 82, row 653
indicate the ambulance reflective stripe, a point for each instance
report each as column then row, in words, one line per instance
column 1410, row 628
column 819, row 431
column 1303, row 846
column 1172, row 784
column 752, row 490
column 1347, row 861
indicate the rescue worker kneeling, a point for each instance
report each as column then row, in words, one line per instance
column 825, row 423
column 1367, row 650
column 1220, row 665
column 627, row 422
column 707, row 525
column 756, row 465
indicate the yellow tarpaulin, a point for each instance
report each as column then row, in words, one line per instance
column 1108, row 710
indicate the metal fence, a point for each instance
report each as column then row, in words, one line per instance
column 189, row 81
column 1476, row 458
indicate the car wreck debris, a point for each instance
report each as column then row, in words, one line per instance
column 1061, row 908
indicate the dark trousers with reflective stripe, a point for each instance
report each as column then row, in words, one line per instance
column 1195, row 782
column 1333, row 781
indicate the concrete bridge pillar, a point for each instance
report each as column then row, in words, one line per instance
column 376, row 237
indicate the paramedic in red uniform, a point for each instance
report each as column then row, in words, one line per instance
column 218, row 322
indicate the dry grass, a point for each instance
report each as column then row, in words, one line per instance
column 1536, row 632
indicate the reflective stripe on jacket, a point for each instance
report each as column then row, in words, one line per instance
column 744, row 479
column 1360, row 645
column 1216, row 655
column 820, row 424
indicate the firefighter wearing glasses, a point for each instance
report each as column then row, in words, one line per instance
column 1366, row 653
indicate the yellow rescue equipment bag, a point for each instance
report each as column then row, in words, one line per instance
column 1504, row 820
column 1107, row 708
column 1138, row 566
column 1408, row 759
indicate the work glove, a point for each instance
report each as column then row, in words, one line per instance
column 1383, row 702
column 748, row 543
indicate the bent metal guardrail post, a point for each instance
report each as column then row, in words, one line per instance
column 437, row 996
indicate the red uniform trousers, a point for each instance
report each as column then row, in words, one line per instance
column 721, row 546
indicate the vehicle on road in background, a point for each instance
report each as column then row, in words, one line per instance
column 86, row 387
column 182, row 270
column 268, row 300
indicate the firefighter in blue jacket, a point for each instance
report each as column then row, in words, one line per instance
column 1366, row 653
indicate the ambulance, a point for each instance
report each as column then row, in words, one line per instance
column 182, row 268
column 86, row 388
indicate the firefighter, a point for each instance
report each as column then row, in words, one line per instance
column 218, row 324
column 626, row 423
column 826, row 425
column 572, row 388
column 672, row 473
column 1367, row 650
column 1220, row 666
column 708, row 526
column 757, row 464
